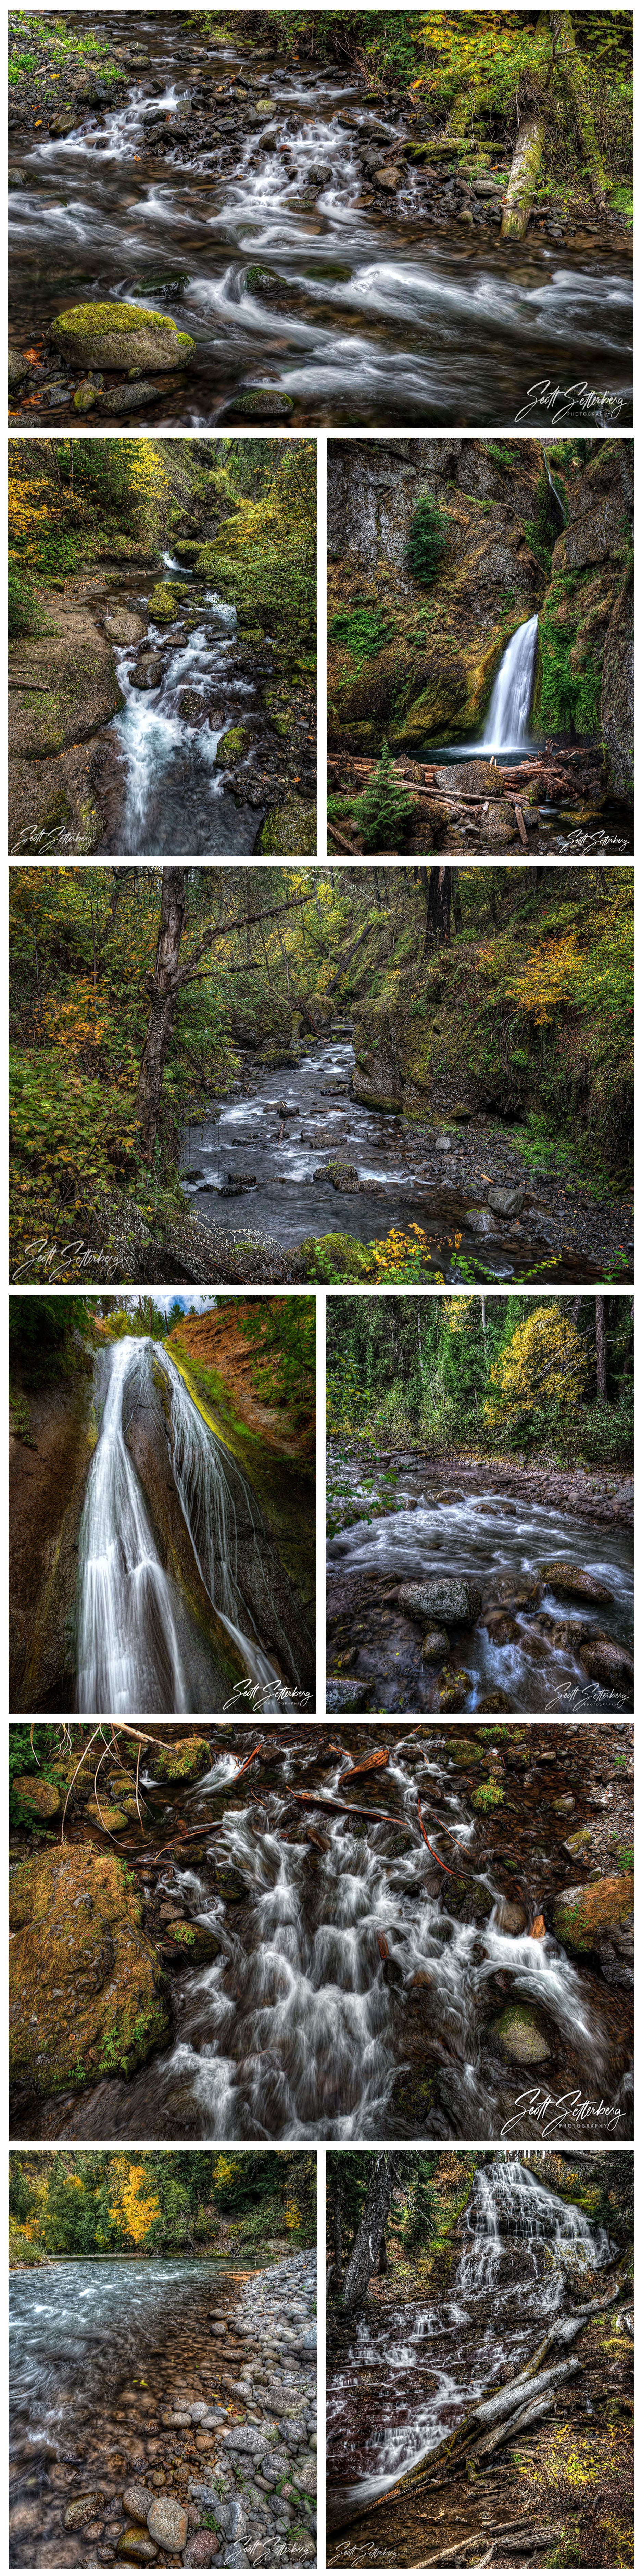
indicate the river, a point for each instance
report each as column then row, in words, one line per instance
column 171, row 795
column 482, row 1537
column 276, row 1131
column 138, row 1651
column 303, row 2027
column 379, row 313
column 409, row 2369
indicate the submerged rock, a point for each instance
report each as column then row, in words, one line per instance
column 120, row 335
column 85, row 1992
column 436, row 1646
column 148, row 675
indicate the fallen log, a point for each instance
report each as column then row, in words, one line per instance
column 372, row 1762
column 521, row 826
column 377, row 1815
column 530, row 2414
column 504, row 2399
column 338, row 837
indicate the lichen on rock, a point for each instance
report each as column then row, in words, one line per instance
column 86, row 1995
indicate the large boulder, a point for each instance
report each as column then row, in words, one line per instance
column 599, row 1919
column 39, row 1799
column 520, row 2037
column 572, row 1579
column 435, row 1597
column 289, row 831
column 120, row 335
column 85, row 1994
column 606, row 1661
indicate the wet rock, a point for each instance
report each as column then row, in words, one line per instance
column 500, row 1627
column 129, row 398
column 453, row 1688
column 320, row 175
column 183, row 1757
column 39, row 1798
column 137, row 2502
column 135, row 2545
column 562, row 1577
column 196, row 1942
column 435, row 1647
column 344, row 1176
column 520, row 2036
column 262, row 281
column 509, row 1917
column 506, row 1202
column 18, row 367
column 606, row 1661
column 494, row 1701
column 167, row 2523
column 190, row 706
column 83, row 2508
column 230, row 1884
column 481, row 1221
column 84, row 1982
column 458, row 1604
column 341, row 1693
column 148, row 675
column 120, row 335
column 233, row 746
column 262, row 403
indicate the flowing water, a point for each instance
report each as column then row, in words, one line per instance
column 250, row 1140
column 394, row 316
column 411, row 2370
column 170, row 796
column 489, row 1540
column 299, row 2027
column 506, row 727
column 134, row 1650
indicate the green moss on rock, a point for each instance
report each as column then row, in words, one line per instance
column 38, row 1798
column 195, row 1939
column 583, row 1915
column 233, row 746
column 520, row 2036
column 289, row 831
column 120, row 335
column 85, row 1996
column 182, row 1758
column 336, row 1256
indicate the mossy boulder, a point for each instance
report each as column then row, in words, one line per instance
column 520, row 2037
column 262, row 281
column 163, row 604
column 184, row 1757
column 453, row 1688
column 462, row 1750
column 38, row 1798
column 262, row 403
column 230, row 1885
column 85, row 1994
column 336, row 1256
column 120, row 335
column 195, row 1941
column 112, row 1819
column 234, row 745
column 584, row 1916
column 289, row 832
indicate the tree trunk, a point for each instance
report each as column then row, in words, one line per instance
column 524, row 175
column 337, row 2275
column 369, row 2233
column 457, row 900
column 438, row 900
column 162, row 992
column 600, row 1347
column 383, row 2256
column 572, row 70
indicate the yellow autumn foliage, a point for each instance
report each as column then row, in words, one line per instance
column 544, row 1363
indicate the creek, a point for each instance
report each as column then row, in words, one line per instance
column 165, row 793
column 300, row 2026
column 485, row 1538
column 272, row 1137
column 136, row 1653
column 382, row 312
column 410, row 2371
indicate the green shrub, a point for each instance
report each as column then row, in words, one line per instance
column 427, row 539
column 385, row 808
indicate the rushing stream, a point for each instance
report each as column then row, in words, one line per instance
column 340, row 1963
column 134, row 1650
column 386, row 314
column 173, row 796
column 274, row 1134
column 411, row 2368
column 485, row 1538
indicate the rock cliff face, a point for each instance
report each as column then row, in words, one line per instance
column 415, row 661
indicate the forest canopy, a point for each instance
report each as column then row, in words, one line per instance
column 147, row 2203
column 503, row 1374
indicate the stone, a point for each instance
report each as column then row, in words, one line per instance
column 38, row 1797
column 282, row 2402
column 438, row 1598
column 135, row 2544
column 190, row 706
column 245, row 2437
column 148, row 675
column 520, row 2036
column 85, row 1996
column 509, row 1917
column 262, row 403
column 202, row 2549
column 500, row 1627
column 180, row 1758
column 453, row 1688
column 583, row 1916
column 344, row 1176
column 24, row 2517
column 579, row 1845
column 137, row 2502
column 120, row 335
column 606, row 1661
column 305, row 2476
column 435, row 1647
column 85, row 397
column 480, row 1221
column 128, row 397
column 572, row 1579
column 233, row 746
column 167, row 2523
column 506, row 1202
column 82, row 2509
column 320, row 175
column 345, row 1694
column 289, row 831
column 125, row 627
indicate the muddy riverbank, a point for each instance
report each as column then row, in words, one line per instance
column 288, row 221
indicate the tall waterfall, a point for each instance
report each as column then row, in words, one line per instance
column 506, row 724
column 557, row 495
column 508, row 2201
column 130, row 1658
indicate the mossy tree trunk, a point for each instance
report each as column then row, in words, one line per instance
column 571, row 69
column 524, row 175
column 162, row 987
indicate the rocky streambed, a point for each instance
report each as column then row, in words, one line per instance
column 150, row 715
column 496, row 1576
column 163, row 2413
column 240, row 235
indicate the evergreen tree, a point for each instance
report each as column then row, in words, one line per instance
column 385, row 807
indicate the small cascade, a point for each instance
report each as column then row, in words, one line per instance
column 558, row 496
column 507, row 726
column 508, row 2203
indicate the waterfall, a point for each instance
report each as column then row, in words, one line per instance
column 557, row 496
column 506, row 724
column 508, row 2201
column 130, row 1658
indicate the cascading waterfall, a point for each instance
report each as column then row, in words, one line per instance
column 509, row 2202
column 506, row 726
column 130, row 1658
column 558, row 496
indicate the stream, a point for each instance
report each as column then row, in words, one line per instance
column 136, row 1653
column 379, row 312
column 302, row 2027
column 276, row 1130
column 487, row 1539
column 409, row 2370
column 168, row 795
